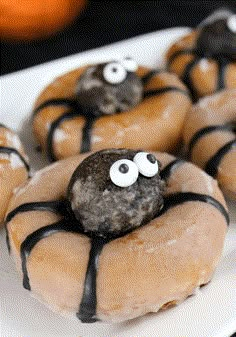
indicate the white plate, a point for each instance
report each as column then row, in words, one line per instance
column 211, row 313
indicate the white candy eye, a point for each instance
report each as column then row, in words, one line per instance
column 123, row 173
column 147, row 164
column 114, row 73
column 231, row 23
column 129, row 64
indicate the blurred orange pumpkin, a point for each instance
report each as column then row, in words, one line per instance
column 33, row 19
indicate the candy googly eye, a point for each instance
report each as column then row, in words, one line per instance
column 114, row 73
column 231, row 23
column 129, row 64
column 147, row 164
column 124, row 173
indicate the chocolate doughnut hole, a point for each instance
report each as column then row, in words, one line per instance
column 106, row 209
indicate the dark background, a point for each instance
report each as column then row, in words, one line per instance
column 104, row 22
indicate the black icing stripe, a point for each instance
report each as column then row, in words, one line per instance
column 75, row 111
column 10, row 150
column 167, row 171
column 182, row 197
column 178, row 53
column 29, row 243
column 186, row 76
column 222, row 64
column 207, row 130
column 64, row 102
column 159, row 91
column 152, row 73
column 68, row 116
column 3, row 126
column 212, row 165
column 57, row 206
column 88, row 304
column 86, row 135
column 51, row 206
column 87, row 310
column 86, row 131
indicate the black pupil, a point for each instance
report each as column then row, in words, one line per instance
column 151, row 158
column 123, row 168
column 114, row 69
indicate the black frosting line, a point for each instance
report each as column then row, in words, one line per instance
column 51, row 206
column 87, row 310
column 159, row 91
column 167, row 171
column 222, row 64
column 3, row 126
column 178, row 53
column 64, row 102
column 207, row 130
column 86, row 135
column 9, row 150
column 150, row 74
column 186, row 76
column 32, row 239
column 57, row 206
column 88, row 304
column 211, row 166
column 75, row 111
column 55, row 124
column 178, row 198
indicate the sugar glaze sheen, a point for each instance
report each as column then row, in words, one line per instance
column 85, row 269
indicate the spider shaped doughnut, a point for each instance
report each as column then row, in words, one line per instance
column 205, row 59
column 76, row 268
column 113, row 104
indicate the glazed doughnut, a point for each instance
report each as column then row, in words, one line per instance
column 14, row 166
column 205, row 58
column 87, row 109
column 209, row 136
column 76, row 267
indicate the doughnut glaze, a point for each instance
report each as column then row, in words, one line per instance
column 119, row 278
column 205, row 59
column 63, row 128
column 209, row 136
column 14, row 166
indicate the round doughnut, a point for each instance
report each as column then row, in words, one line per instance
column 63, row 127
column 209, row 136
column 114, row 279
column 205, row 59
column 14, row 166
